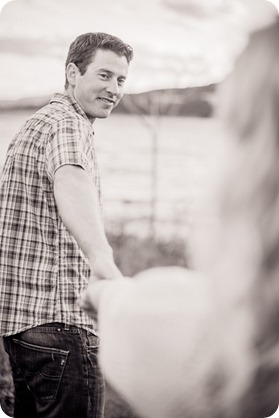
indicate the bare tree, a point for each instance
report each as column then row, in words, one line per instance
column 150, row 107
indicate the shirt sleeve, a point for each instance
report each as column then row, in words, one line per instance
column 69, row 144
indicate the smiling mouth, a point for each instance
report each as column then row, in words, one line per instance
column 106, row 100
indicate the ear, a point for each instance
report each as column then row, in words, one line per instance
column 71, row 72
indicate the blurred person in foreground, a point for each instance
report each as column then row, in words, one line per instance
column 52, row 238
column 206, row 343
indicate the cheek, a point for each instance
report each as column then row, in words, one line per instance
column 89, row 94
column 120, row 96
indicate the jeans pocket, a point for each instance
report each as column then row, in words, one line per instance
column 92, row 342
column 92, row 345
column 42, row 368
column 97, row 387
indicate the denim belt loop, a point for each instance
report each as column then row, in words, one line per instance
column 67, row 327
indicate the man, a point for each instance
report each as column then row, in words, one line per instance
column 52, row 238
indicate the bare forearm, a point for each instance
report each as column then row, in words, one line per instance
column 78, row 206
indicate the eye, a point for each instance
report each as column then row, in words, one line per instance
column 121, row 81
column 104, row 76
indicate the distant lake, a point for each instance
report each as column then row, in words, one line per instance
column 186, row 150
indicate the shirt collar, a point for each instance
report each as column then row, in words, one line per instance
column 67, row 100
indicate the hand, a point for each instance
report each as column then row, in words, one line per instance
column 104, row 267
column 104, row 271
column 90, row 298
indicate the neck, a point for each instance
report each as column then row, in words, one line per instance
column 69, row 92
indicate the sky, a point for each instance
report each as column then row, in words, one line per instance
column 177, row 43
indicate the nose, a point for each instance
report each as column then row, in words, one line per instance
column 113, row 87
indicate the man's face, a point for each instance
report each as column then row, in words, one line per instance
column 100, row 88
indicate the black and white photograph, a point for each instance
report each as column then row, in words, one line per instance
column 139, row 208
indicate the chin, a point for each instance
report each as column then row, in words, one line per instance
column 98, row 115
column 103, row 115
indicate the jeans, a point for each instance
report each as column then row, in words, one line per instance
column 55, row 372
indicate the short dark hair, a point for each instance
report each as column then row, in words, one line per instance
column 84, row 47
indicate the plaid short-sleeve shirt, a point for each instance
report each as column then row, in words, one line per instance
column 42, row 269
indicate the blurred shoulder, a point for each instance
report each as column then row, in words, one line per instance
column 165, row 274
column 171, row 283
